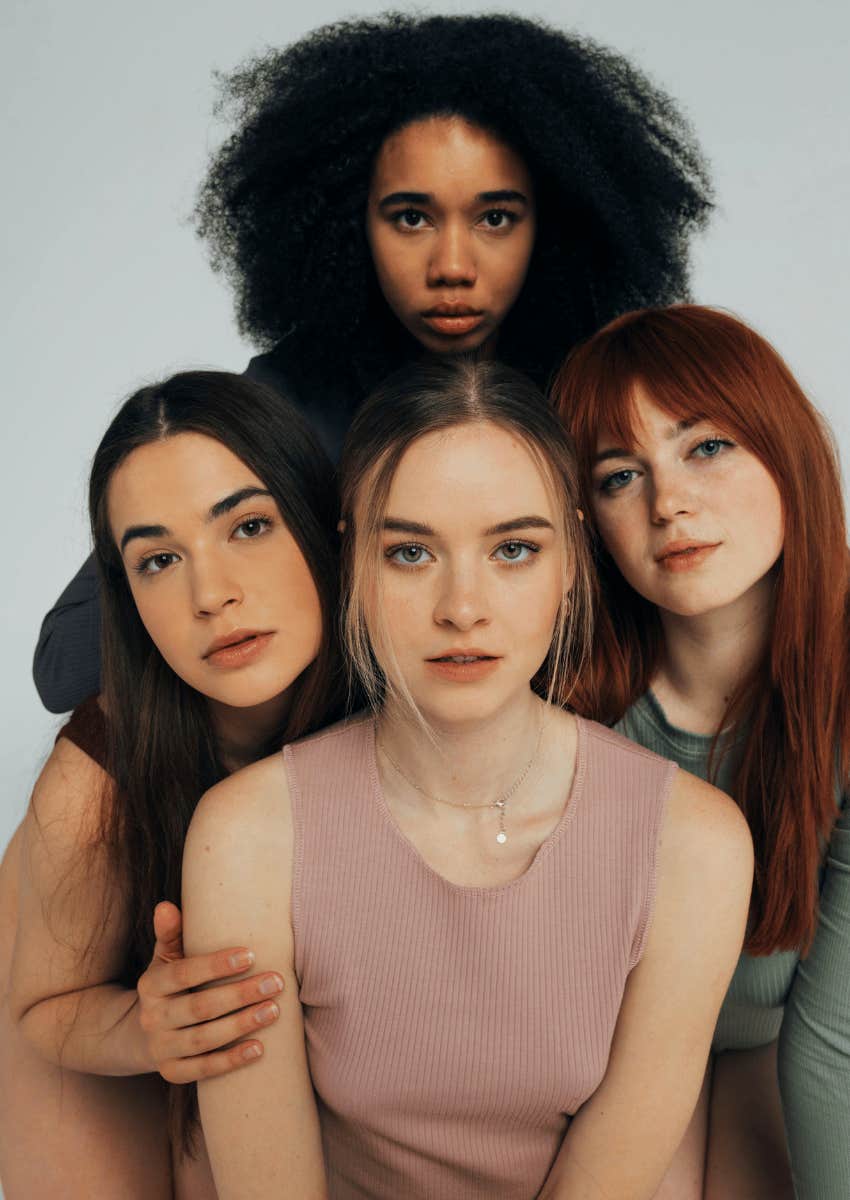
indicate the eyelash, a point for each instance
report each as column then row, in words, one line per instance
column 141, row 567
column 391, row 551
column 605, row 485
column 397, row 217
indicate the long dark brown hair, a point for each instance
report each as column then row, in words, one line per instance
column 795, row 703
column 161, row 750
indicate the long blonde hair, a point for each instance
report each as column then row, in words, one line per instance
column 426, row 398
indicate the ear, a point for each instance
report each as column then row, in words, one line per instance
column 580, row 514
column 340, row 526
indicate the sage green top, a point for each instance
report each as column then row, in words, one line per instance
column 803, row 1002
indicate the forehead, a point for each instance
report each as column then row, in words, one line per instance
column 177, row 477
column 639, row 420
column 438, row 152
column 470, row 476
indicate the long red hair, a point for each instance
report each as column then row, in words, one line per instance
column 795, row 704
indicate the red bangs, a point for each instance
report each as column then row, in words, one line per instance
column 696, row 362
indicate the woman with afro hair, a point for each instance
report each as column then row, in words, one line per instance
column 446, row 184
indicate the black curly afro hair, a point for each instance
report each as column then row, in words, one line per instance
column 620, row 182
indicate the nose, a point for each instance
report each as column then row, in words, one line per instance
column 672, row 496
column 214, row 588
column 461, row 602
column 452, row 262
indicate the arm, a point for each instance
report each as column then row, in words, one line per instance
column 261, row 1127
column 62, row 993
column 623, row 1138
column 814, row 1045
column 66, row 665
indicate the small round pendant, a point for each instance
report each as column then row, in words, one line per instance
column 501, row 838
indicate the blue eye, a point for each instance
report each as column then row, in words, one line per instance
column 515, row 552
column 617, row 480
column 711, row 447
column 411, row 554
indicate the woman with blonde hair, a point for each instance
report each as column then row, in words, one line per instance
column 478, row 901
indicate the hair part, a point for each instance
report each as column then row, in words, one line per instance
column 423, row 399
column 698, row 361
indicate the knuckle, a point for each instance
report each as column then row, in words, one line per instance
column 180, row 975
column 197, row 1039
column 200, row 1006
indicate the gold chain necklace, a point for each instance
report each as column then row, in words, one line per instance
column 499, row 803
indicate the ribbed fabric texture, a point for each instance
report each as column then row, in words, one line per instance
column 452, row 1030
column 752, row 1010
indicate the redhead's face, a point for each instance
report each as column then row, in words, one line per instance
column 471, row 569
column 220, row 583
column 451, row 224
column 693, row 521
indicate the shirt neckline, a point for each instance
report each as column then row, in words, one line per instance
column 543, row 850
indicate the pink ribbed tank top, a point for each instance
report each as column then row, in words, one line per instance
column 452, row 1031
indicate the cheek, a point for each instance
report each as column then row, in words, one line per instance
column 301, row 610
column 160, row 613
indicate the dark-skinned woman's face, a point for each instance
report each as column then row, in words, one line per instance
column 451, row 225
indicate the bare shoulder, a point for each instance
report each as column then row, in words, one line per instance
column 705, row 859
column 701, row 819
column 70, row 794
column 237, row 863
column 254, row 794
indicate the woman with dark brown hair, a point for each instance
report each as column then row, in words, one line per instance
column 213, row 516
column 713, row 494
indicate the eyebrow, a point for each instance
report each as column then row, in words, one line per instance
column 403, row 525
column 673, row 432
column 501, row 196
column 216, row 510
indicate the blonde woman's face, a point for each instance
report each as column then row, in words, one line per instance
column 471, row 575
column 220, row 583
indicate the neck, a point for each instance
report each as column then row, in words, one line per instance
column 707, row 657
column 242, row 733
column 466, row 763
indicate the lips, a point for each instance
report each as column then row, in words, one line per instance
column 462, row 666
column 453, row 319
column 684, row 555
column 237, row 648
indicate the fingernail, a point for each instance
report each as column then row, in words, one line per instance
column 252, row 1052
column 267, row 1013
column 269, row 986
column 242, row 960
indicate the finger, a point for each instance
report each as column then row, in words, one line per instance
column 168, row 931
column 168, row 978
column 200, row 1040
column 206, row 1066
column 211, row 1003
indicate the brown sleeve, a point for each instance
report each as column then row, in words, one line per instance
column 86, row 728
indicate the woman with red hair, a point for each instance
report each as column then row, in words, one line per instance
column 713, row 497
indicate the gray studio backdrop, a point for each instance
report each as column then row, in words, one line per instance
column 107, row 125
